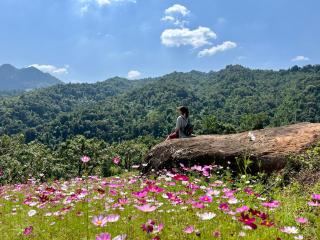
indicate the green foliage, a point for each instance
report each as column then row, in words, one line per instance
column 211, row 125
column 118, row 109
column 20, row 161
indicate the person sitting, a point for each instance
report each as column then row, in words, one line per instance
column 183, row 128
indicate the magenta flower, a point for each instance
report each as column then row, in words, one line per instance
column 140, row 194
column 180, row 177
column 248, row 191
column 146, row 208
column 116, row 160
column 28, row 230
column 99, row 221
column 302, row 220
column 154, row 188
column 224, row 206
column 85, row 159
column 247, row 220
column 316, row 197
column 151, row 227
column 206, row 198
column 103, row 236
column 189, row 229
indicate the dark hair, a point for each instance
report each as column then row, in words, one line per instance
column 184, row 110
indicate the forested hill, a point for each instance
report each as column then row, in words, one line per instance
column 233, row 99
column 13, row 79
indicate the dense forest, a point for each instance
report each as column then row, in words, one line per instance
column 233, row 99
column 119, row 110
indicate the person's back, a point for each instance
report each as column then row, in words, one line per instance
column 181, row 124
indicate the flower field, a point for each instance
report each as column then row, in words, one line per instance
column 189, row 203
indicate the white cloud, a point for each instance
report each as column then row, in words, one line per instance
column 177, row 9
column 184, row 36
column 300, row 58
column 51, row 69
column 175, row 15
column 215, row 49
column 168, row 19
column 86, row 4
column 133, row 74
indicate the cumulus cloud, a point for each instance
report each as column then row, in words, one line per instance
column 176, row 14
column 300, row 58
column 177, row 9
column 184, row 36
column 215, row 49
column 133, row 74
column 51, row 69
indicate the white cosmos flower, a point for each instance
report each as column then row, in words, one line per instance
column 233, row 201
column 32, row 213
column 206, row 215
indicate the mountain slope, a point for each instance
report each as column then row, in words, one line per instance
column 233, row 99
column 12, row 78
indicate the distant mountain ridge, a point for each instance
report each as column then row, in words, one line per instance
column 28, row 78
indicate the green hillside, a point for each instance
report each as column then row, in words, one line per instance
column 233, row 99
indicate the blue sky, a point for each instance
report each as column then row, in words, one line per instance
column 92, row 40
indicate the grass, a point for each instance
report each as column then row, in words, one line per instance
column 65, row 209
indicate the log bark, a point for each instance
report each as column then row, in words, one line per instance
column 269, row 149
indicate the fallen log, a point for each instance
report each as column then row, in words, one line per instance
column 268, row 149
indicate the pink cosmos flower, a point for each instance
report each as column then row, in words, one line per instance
column 189, row 229
column 146, row 208
column 85, row 159
column 154, row 188
column 27, row 231
column 314, row 204
column 224, row 206
column 116, row 160
column 316, row 197
column 99, row 221
column 123, row 201
column 180, row 177
column 272, row 204
column 302, row 220
column 112, row 218
column 197, row 205
column 242, row 209
column 103, row 236
column 206, row 198
column 140, row 194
